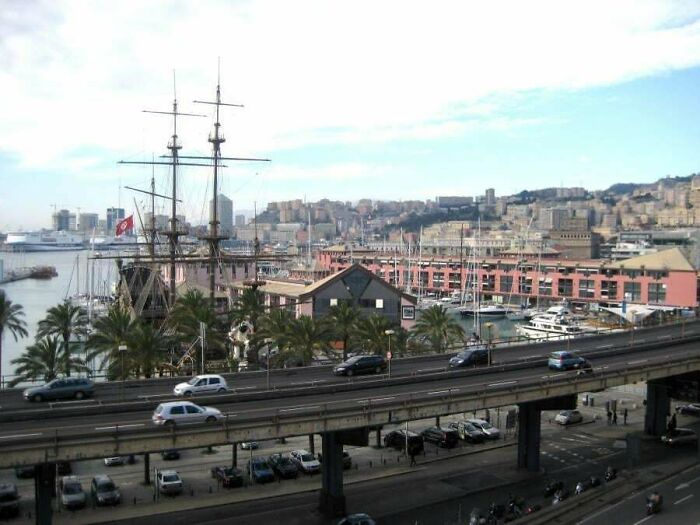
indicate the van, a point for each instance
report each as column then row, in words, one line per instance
column 563, row 360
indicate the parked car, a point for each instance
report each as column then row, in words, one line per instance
column 202, row 384
column 397, row 439
column 114, row 461
column 468, row 432
column 259, row 470
column 680, row 436
column 229, row 477
column 357, row 519
column 170, row 454
column 563, row 360
column 568, row 417
column 361, row 364
column 104, row 491
column 9, row 500
column 347, row 460
column 476, row 355
column 250, row 445
column 184, row 412
column 442, row 437
column 25, row 472
column 490, row 432
column 306, row 461
column 61, row 388
column 72, row 494
column 283, row 466
column 169, row 482
column 691, row 409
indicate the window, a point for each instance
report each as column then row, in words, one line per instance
column 608, row 289
column 633, row 291
column 192, row 410
column 213, row 380
column 545, row 286
column 657, row 293
column 380, row 304
column 334, row 302
column 565, row 287
column 177, row 410
column 506, row 283
column 586, row 289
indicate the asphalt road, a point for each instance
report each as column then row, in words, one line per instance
column 255, row 381
column 96, row 423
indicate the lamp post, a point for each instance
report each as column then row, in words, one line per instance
column 489, row 335
column 389, row 333
column 122, row 351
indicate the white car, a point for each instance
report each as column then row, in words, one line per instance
column 169, row 482
column 114, row 461
column 487, row 428
column 567, row 417
column 184, row 412
column 306, row 461
column 204, row 384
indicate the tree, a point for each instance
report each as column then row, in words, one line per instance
column 64, row 320
column 306, row 336
column 10, row 320
column 273, row 329
column 344, row 317
column 371, row 333
column 147, row 349
column 438, row 328
column 45, row 360
column 109, row 333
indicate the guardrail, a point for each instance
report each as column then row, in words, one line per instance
column 263, row 424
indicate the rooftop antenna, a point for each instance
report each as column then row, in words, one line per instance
column 174, row 146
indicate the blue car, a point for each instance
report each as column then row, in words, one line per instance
column 259, row 470
column 563, row 360
column 477, row 355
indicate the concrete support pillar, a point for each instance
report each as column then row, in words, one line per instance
column 529, row 436
column 379, row 438
column 332, row 499
column 44, row 485
column 657, row 409
column 437, row 421
column 146, row 469
column 312, row 445
column 234, row 454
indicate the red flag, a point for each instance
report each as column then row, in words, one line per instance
column 125, row 225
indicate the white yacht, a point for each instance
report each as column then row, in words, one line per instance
column 486, row 310
column 550, row 326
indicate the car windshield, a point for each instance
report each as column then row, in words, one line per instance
column 193, row 381
column 307, row 457
column 229, row 471
column 72, row 488
column 171, row 477
column 105, row 486
column 260, row 465
column 470, row 427
column 284, row 462
column 353, row 360
column 486, row 425
column 464, row 355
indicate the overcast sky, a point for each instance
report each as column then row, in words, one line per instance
column 386, row 100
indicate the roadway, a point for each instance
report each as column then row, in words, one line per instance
column 441, row 387
column 298, row 378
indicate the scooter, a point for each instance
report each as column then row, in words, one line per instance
column 560, row 495
column 476, row 518
column 654, row 502
column 610, row 474
column 581, row 487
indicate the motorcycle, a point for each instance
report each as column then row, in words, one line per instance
column 654, row 501
column 610, row 474
column 594, row 482
column 551, row 487
column 476, row 518
column 560, row 495
column 581, row 487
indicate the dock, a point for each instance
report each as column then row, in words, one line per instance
column 31, row 272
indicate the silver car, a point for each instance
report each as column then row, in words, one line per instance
column 72, row 494
column 169, row 482
column 203, row 384
column 184, row 412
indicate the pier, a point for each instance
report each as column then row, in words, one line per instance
column 32, row 272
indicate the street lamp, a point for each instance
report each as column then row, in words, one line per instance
column 389, row 333
column 489, row 335
column 122, row 352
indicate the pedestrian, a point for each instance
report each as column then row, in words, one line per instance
column 412, row 453
column 609, row 417
column 672, row 423
column 487, row 416
column 624, row 417
column 614, row 417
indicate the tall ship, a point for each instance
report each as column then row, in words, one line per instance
column 43, row 241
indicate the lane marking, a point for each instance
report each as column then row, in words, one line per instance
column 552, row 375
column 604, row 346
column 114, row 427
column 297, row 408
column 644, row 519
column 21, row 435
column 312, row 383
column 641, row 340
column 638, row 361
column 502, row 383
column 441, row 369
column 147, row 396
column 438, row 392
column 683, row 499
column 244, row 388
column 366, row 401
column 664, row 337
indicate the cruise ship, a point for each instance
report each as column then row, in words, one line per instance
column 43, row 241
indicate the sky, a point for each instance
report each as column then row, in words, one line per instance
column 365, row 99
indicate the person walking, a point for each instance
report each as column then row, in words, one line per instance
column 672, row 423
column 609, row 417
column 412, row 453
column 614, row 420
column 624, row 417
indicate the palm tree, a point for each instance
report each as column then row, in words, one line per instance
column 306, row 336
column 44, row 360
column 273, row 329
column 64, row 320
column 344, row 317
column 10, row 319
column 110, row 332
column 147, row 350
column 371, row 333
column 438, row 328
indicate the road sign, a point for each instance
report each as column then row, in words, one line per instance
column 388, row 355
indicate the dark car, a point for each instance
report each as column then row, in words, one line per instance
column 442, row 437
column 468, row 432
column 361, row 364
column 692, row 409
column 283, row 466
column 25, row 472
column 260, row 471
column 104, row 491
column 347, row 460
column 170, row 454
column 680, row 436
column 9, row 500
column 397, row 439
column 478, row 355
column 62, row 388
column 229, row 477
